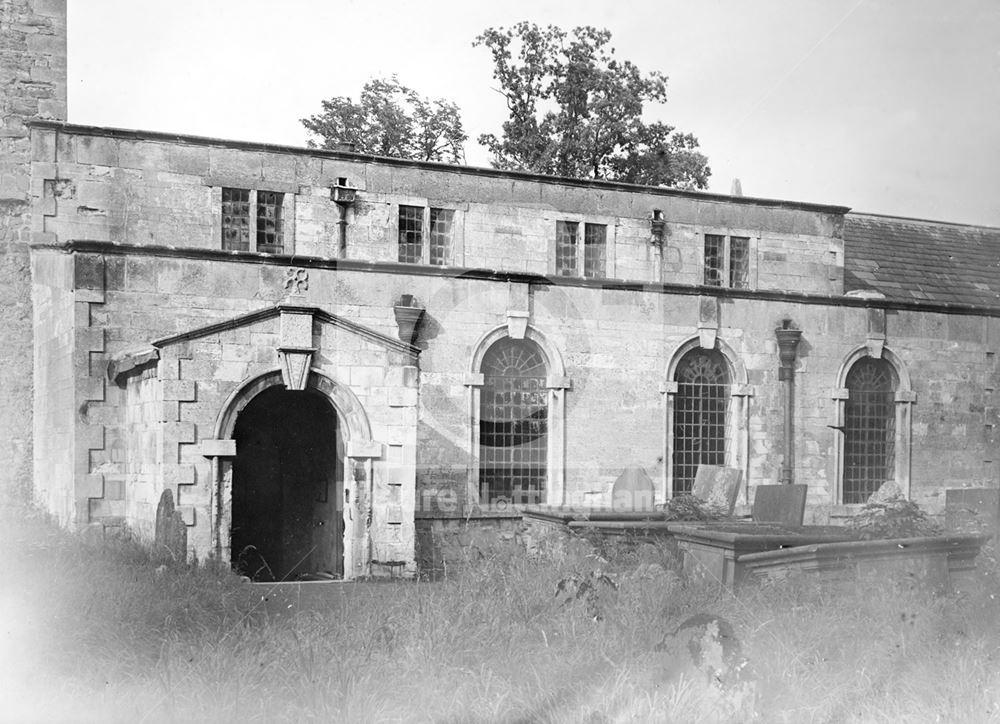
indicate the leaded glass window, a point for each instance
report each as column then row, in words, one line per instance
column 236, row 219
column 739, row 262
column 253, row 221
column 727, row 261
column 440, row 241
column 714, row 259
column 869, row 429
column 513, row 423
column 701, row 409
column 270, row 225
column 594, row 246
column 566, row 238
column 411, row 225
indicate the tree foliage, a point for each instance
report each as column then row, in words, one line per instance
column 391, row 120
column 576, row 110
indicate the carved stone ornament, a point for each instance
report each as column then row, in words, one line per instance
column 296, row 281
column 408, row 314
column 295, row 364
column 517, row 324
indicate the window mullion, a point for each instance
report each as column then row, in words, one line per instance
column 425, row 236
column 253, row 220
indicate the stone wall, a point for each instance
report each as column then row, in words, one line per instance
column 54, row 384
column 32, row 86
column 616, row 346
column 138, row 189
column 153, row 422
column 144, row 213
column 138, row 467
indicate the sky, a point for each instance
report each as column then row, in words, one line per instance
column 886, row 106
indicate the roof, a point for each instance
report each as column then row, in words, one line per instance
column 918, row 260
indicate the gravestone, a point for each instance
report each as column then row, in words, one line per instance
column 718, row 485
column 170, row 537
column 972, row 510
column 785, row 504
column 633, row 490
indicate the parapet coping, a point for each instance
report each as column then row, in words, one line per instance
column 597, row 184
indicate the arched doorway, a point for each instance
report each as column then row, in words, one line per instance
column 287, row 487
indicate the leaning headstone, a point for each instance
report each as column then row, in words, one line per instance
column 972, row 510
column 718, row 485
column 170, row 537
column 785, row 504
column 633, row 490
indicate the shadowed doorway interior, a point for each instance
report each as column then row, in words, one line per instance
column 287, row 519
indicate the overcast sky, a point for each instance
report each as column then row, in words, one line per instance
column 888, row 106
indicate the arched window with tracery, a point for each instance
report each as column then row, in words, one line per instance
column 869, row 428
column 513, row 423
column 701, row 408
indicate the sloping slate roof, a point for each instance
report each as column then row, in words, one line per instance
column 916, row 260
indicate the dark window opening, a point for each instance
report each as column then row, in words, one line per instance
column 513, row 424
column 411, row 225
column 869, row 429
column 701, row 408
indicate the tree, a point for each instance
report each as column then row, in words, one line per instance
column 391, row 120
column 576, row 110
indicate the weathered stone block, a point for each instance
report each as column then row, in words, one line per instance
column 217, row 448
column 88, row 272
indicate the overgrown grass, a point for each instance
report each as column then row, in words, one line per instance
column 96, row 634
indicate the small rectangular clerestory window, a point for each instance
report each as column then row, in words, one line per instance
column 441, row 224
column 411, row 234
column 566, row 240
column 270, row 224
column 236, row 219
column 253, row 220
column 739, row 262
column 727, row 261
column 595, row 238
column 714, row 259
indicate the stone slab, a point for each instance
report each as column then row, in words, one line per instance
column 718, row 485
column 784, row 504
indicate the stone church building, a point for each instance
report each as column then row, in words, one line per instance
column 322, row 354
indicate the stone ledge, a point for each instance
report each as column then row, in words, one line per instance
column 217, row 448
